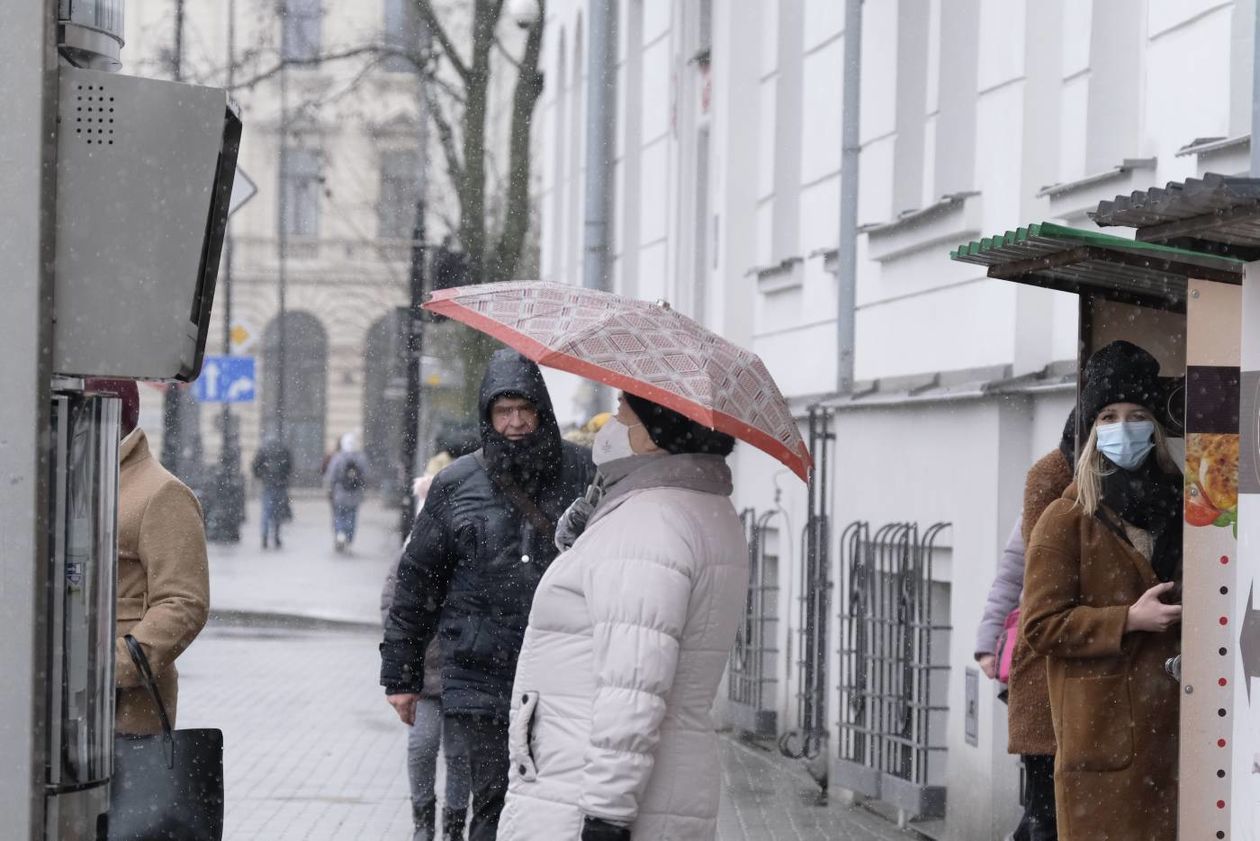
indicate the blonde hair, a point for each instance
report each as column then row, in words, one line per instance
column 1090, row 469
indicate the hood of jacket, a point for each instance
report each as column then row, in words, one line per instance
column 537, row 456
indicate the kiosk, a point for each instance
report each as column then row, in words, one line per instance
column 1183, row 305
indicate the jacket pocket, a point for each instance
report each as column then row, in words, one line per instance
column 520, row 738
column 484, row 643
column 1096, row 722
column 129, row 611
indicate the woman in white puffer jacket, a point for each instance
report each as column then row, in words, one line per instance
column 630, row 630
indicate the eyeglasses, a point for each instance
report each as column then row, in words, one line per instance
column 526, row 413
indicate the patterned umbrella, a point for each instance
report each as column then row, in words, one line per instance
column 646, row 349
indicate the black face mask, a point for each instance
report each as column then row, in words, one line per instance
column 1150, row 499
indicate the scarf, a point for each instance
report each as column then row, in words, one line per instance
column 1150, row 499
column 616, row 479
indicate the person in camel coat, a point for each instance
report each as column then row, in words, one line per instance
column 1103, row 560
column 163, row 578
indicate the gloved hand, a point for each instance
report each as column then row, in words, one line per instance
column 572, row 523
column 598, row 829
column 574, row 519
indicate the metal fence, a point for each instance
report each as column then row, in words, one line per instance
column 893, row 661
column 751, row 678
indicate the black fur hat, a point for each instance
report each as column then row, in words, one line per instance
column 677, row 434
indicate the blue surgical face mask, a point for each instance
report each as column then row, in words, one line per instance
column 1128, row 443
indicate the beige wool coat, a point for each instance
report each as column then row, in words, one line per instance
column 163, row 581
column 1115, row 710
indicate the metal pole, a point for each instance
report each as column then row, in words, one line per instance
column 600, row 104
column 172, row 408
column 415, row 314
column 850, row 151
column 223, row 519
column 177, row 64
column 1255, row 96
column 282, row 239
column 28, row 136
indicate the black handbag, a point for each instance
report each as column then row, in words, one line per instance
column 167, row 787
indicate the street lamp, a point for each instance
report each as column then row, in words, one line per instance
column 524, row 13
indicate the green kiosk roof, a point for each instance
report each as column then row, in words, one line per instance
column 1073, row 260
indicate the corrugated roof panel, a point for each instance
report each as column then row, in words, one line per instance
column 1212, row 209
column 1073, row 260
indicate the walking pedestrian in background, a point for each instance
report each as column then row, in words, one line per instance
column 1102, row 561
column 347, row 481
column 163, row 576
column 273, row 464
column 628, row 638
column 478, row 549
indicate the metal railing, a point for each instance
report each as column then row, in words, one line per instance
column 751, row 677
column 809, row 740
column 891, row 723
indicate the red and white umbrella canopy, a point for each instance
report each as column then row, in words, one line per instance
column 644, row 348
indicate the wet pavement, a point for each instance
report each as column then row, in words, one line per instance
column 288, row 670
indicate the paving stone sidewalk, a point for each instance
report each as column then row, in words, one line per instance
column 288, row 671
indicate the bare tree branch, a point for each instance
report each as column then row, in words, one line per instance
column 444, row 40
column 447, row 88
column 377, row 51
column 516, row 216
column 507, row 56
column 446, row 135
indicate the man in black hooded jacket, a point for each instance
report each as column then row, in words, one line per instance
column 468, row 571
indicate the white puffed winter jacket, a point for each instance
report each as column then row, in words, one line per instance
column 628, row 637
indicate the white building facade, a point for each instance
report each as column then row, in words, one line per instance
column 976, row 115
column 332, row 143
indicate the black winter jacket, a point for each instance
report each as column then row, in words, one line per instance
column 469, row 570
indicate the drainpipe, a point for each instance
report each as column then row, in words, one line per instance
column 1255, row 97
column 600, row 102
column 850, row 149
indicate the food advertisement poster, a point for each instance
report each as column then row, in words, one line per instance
column 1212, row 801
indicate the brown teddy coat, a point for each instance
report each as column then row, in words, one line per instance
column 1115, row 710
column 1029, row 727
column 163, row 581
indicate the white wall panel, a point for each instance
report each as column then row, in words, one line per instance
column 1073, row 105
column 824, row 19
column 966, row 326
column 823, row 73
column 654, row 184
column 657, row 100
column 1180, row 67
column 1001, row 48
column 1077, row 19
column 879, row 69
column 1165, row 15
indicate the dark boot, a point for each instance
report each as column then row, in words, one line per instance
column 453, row 824
column 423, row 822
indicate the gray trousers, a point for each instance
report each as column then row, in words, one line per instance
column 423, row 742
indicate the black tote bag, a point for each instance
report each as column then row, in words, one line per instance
column 167, row 787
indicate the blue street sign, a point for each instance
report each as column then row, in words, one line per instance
column 225, row 379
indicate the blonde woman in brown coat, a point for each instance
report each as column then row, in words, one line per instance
column 163, row 577
column 1102, row 561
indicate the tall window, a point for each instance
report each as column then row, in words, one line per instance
column 396, row 201
column 401, row 33
column 299, row 192
column 300, row 35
